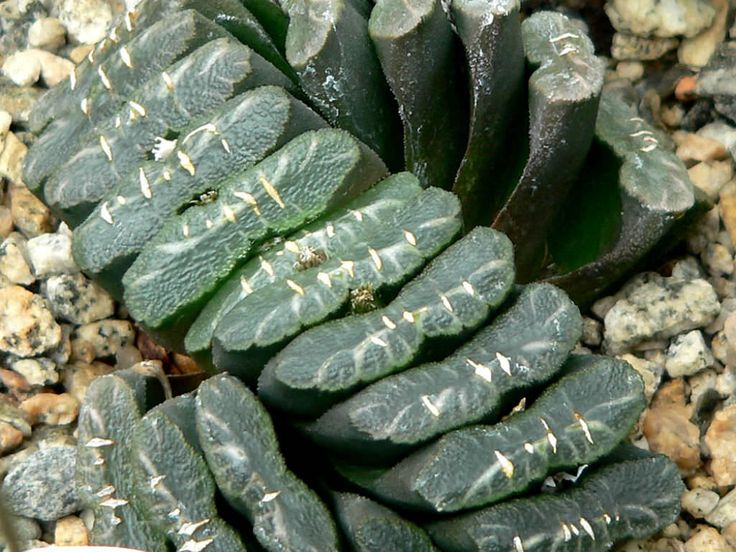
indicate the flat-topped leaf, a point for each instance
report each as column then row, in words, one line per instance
column 332, row 236
column 490, row 31
column 381, row 259
column 143, row 58
column 104, row 477
column 418, row 53
column 627, row 500
column 230, row 14
column 244, row 457
column 174, row 489
column 452, row 296
column 181, row 267
column 244, row 131
column 654, row 196
column 202, row 81
column 329, row 47
column 521, row 349
column 370, row 527
column 576, row 421
column 564, row 91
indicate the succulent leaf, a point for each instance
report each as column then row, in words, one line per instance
column 172, row 39
column 490, row 31
column 112, row 406
column 329, row 47
column 244, row 457
column 181, row 267
column 563, row 101
column 163, row 107
column 380, row 260
column 173, row 486
column 521, row 349
column 370, row 527
column 241, row 133
column 453, row 296
column 333, row 236
column 654, row 196
column 419, row 56
column 626, row 500
column 575, row 421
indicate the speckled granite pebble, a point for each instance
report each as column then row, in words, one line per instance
column 43, row 486
column 51, row 254
column 27, row 327
column 76, row 299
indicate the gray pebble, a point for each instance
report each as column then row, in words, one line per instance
column 51, row 254
column 725, row 512
column 687, row 355
column 76, row 299
column 43, row 485
column 654, row 307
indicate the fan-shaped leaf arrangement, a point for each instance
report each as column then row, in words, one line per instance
column 227, row 169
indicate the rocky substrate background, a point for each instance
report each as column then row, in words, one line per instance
column 676, row 326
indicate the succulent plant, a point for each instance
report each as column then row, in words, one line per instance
column 227, row 169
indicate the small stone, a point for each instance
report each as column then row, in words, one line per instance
column 636, row 48
column 729, row 533
column 726, row 382
column 668, row 428
column 11, row 158
column 71, row 531
column 14, row 382
column 601, row 307
column 47, row 33
column 6, row 119
column 722, row 133
column 727, row 206
column 654, row 307
column 86, row 21
column 692, row 147
column 688, row 268
column 696, row 51
column 592, row 332
column 127, row 356
column 26, row 529
column 62, row 352
column 699, row 502
column 51, row 409
column 76, row 299
column 23, row 68
column 79, row 376
column 711, row 176
column 27, row 327
column 79, row 53
column 107, row 336
column 687, row 355
column 13, row 264
column 725, row 513
column 18, row 100
column 707, row 539
column 704, row 231
column 630, row 70
column 36, row 371
column 30, row 215
column 721, row 442
column 15, row 417
column 686, row 88
column 51, row 254
column 43, row 486
column 6, row 222
column 650, row 372
column 660, row 19
column 10, row 438
column 82, row 351
column 672, row 115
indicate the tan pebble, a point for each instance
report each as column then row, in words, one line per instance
column 672, row 115
column 27, row 327
column 29, row 213
column 47, row 33
column 12, row 153
column 701, row 480
column 80, row 53
column 699, row 502
column 707, row 539
column 696, row 51
column 693, row 147
column 720, row 439
column 78, row 377
column 23, row 68
column 186, row 364
column 729, row 533
column 10, row 438
column 711, row 176
column 6, row 222
column 727, row 206
column 6, row 119
column 71, row 531
column 668, row 428
column 82, row 351
column 685, row 88
column 14, row 381
column 51, row 409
